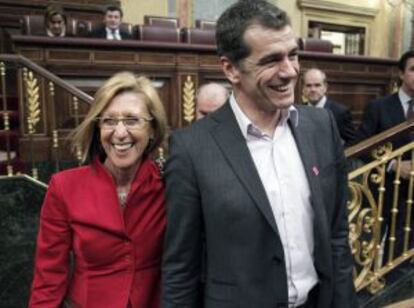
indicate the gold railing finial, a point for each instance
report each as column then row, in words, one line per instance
column 51, row 88
column 2, row 69
column 79, row 155
column 6, row 121
column 9, row 170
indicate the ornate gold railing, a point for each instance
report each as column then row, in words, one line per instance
column 380, row 215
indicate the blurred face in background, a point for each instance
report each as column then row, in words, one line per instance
column 112, row 19
column 56, row 24
column 209, row 98
column 314, row 86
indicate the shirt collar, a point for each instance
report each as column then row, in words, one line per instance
column 116, row 31
column 321, row 102
column 404, row 97
column 246, row 125
column 50, row 34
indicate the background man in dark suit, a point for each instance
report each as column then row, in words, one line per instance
column 385, row 113
column 389, row 111
column 110, row 28
column 315, row 87
column 259, row 183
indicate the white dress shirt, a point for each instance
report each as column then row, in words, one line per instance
column 404, row 99
column 321, row 102
column 281, row 171
column 62, row 34
column 113, row 34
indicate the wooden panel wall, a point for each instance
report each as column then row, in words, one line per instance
column 178, row 69
column 83, row 9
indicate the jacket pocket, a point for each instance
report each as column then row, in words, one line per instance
column 221, row 290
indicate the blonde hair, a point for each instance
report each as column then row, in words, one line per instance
column 53, row 10
column 86, row 136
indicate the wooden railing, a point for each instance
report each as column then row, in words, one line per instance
column 40, row 132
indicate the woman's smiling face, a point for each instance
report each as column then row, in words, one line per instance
column 125, row 131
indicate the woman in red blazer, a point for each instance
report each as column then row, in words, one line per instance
column 102, row 225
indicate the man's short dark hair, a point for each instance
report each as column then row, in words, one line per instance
column 112, row 8
column 234, row 21
column 402, row 63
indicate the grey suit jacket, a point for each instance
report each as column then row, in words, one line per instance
column 215, row 198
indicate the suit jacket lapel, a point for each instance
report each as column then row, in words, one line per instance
column 303, row 136
column 395, row 110
column 229, row 138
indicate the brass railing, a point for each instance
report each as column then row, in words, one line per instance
column 380, row 216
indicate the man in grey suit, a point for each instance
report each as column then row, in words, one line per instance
column 258, row 188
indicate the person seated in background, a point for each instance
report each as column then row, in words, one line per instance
column 110, row 28
column 55, row 21
column 314, row 90
column 110, row 213
column 210, row 96
column 380, row 115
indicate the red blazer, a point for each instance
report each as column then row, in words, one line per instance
column 116, row 255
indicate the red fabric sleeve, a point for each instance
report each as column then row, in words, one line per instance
column 54, row 241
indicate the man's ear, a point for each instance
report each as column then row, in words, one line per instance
column 230, row 70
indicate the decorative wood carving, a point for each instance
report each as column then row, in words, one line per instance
column 188, row 94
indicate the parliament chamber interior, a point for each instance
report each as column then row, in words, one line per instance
column 47, row 85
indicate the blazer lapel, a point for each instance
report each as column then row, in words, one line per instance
column 395, row 110
column 229, row 138
column 303, row 136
